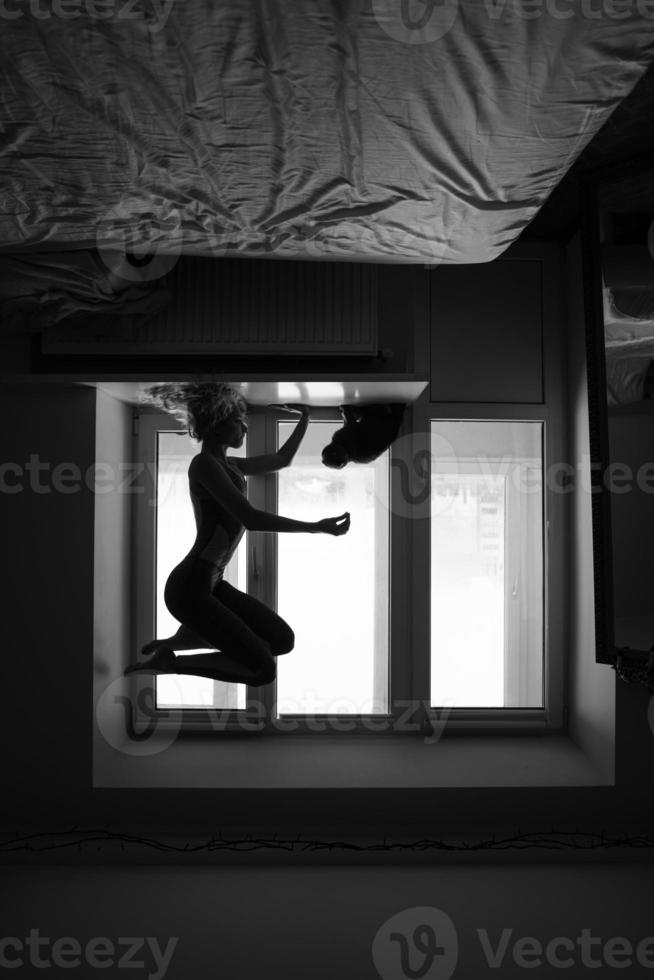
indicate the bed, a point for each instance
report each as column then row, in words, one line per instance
column 629, row 345
column 390, row 130
column 41, row 289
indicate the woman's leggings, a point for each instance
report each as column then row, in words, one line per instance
column 248, row 634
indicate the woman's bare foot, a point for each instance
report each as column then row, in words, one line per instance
column 162, row 661
column 149, row 648
column 183, row 639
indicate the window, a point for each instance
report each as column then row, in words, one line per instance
column 436, row 598
column 175, row 532
column 334, row 591
column 487, row 564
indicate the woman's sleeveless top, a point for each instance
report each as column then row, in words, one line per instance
column 218, row 532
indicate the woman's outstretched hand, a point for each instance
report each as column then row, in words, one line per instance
column 294, row 409
column 334, row 525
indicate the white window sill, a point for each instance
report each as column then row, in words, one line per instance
column 349, row 762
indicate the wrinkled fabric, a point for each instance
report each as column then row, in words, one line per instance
column 40, row 290
column 625, row 379
column 301, row 128
column 627, row 336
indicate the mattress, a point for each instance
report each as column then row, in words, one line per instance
column 626, row 379
column 385, row 130
column 629, row 346
column 38, row 290
column 627, row 336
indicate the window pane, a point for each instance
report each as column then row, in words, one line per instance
column 333, row 591
column 486, row 564
column 175, row 535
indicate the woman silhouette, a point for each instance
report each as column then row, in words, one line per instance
column 246, row 635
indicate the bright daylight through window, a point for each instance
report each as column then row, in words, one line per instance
column 175, row 534
column 333, row 591
column 486, row 543
column 486, row 564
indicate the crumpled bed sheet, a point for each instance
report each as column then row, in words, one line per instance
column 386, row 130
column 629, row 344
column 624, row 335
column 41, row 290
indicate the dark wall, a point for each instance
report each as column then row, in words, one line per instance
column 245, row 921
column 486, row 332
column 47, row 593
column 334, row 922
column 49, row 640
column 631, row 444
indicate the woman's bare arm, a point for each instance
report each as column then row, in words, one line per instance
column 292, row 444
column 213, row 478
column 274, row 522
column 271, row 462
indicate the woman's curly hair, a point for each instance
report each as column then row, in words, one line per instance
column 200, row 406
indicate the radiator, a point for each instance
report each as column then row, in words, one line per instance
column 240, row 306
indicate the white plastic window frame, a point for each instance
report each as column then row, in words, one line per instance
column 409, row 711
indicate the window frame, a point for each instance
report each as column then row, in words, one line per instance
column 410, row 713
column 320, row 722
column 515, row 671
column 148, row 570
column 261, row 553
column 553, row 716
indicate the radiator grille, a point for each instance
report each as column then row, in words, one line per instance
column 245, row 306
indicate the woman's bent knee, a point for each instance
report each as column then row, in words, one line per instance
column 284, row 641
